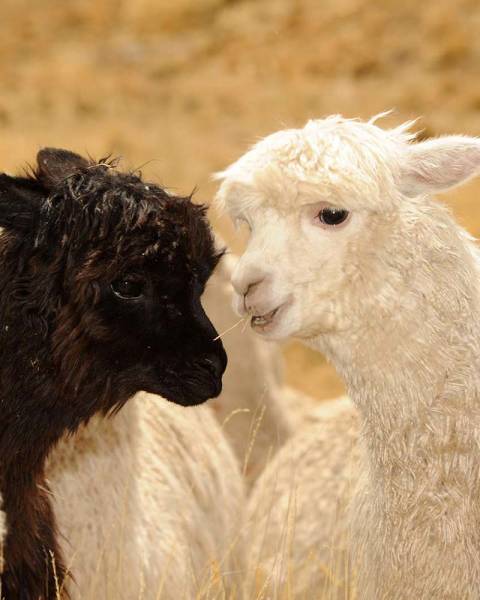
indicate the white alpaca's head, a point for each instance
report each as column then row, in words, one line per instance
column 340, row 217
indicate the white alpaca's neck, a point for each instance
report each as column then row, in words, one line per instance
column 417, row 356
column 415, row 378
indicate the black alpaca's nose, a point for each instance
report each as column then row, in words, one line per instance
column 216, row 362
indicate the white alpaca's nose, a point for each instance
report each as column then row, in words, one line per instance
column 253, row 296
column 247, row 283
column 244, row 281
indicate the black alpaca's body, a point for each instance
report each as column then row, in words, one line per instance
column 100, row 284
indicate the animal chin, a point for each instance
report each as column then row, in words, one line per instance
column 190, row 391
column 197, row 395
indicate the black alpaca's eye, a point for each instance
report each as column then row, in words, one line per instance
column 333, row 216
column 128, row 288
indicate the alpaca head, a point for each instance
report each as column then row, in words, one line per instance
column 340, row 217
column 103, row 275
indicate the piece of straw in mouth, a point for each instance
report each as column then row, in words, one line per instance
column 220, row 335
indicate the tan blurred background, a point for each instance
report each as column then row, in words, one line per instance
column 183, row 87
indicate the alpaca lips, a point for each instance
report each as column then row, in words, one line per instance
column 264, row 320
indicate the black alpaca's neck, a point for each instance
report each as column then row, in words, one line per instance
column 37, row 409
column 31, row 423
column 33, row 567
column 40, row 402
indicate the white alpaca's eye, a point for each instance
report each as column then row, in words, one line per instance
column 333, row 217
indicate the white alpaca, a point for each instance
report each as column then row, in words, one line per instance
column 350, row 253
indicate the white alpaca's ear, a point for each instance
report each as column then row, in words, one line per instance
column 232, row 183
column 439, row 164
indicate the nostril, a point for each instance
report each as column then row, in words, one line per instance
column 215, row 364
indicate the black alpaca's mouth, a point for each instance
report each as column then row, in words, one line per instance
column 203, row 383
column 192, row 393
column 190, row 386
column 190, row 374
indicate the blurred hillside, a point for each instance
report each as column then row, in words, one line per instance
column 183, row 87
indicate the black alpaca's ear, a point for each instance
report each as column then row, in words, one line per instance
column 56, row 165
column 20, row 200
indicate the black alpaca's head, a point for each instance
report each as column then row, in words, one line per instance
column 106, row 274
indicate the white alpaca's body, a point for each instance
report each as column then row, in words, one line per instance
column 309, row 482
column 390, row 293
column 150, row 504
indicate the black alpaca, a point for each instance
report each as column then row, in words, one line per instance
column 100, row 282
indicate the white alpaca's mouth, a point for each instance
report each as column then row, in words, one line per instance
column 266, row 322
